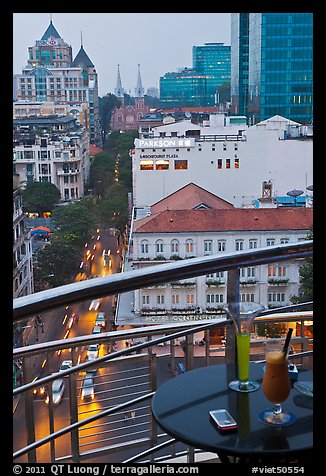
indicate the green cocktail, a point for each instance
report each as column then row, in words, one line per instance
column 242, row 314
column 243, row 349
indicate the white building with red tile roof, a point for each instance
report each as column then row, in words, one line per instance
column 176, row 233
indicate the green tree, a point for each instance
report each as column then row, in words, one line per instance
column 306, row 278
column 224, row 92
column 113, row 211
column 57, row 263
column 75, row 219
column 40, row 197
column 107, row 104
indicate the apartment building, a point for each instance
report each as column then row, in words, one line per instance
column 22, row 248
column 52, row 150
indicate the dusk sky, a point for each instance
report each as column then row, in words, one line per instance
column 159, row 42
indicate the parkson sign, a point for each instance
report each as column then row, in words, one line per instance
column 166, row 142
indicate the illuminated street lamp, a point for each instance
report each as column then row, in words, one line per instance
column 295, row 193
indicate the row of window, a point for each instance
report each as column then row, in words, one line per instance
column 44, row 154
column 175, row 245
column 212, row 298
column 183, row 164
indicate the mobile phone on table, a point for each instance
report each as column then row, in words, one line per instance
column 223, row 419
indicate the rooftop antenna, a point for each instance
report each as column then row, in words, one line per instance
column 81, row 38
column 50, row 17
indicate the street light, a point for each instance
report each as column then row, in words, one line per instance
column 295, row 193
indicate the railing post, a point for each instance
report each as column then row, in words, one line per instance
column 153, row 377
column 29, row 412
column 74, row 436
column 189, row 351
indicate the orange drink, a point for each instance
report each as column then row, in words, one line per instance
column 276, row 381
column 276, row 384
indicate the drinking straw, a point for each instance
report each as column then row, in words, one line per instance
column 287, row 341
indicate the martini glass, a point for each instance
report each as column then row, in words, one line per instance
column 242, row 314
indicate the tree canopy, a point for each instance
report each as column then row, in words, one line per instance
column 40, row 197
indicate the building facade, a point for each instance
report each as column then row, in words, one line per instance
column 79, row 111
column 239, row 63
column 197, row 86
column 53, row 75
column 224, row 156
column 180, row 233
column 52, row 150
column 22, row 247
column 279, row 67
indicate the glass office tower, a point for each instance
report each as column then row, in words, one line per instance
column 280, row 66
column 183, row 88
column 197, row 86
column 214, row 61
column 239, row 63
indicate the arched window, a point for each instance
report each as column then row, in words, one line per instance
column 175, row 247
column 144, row 247
column 159, row 247
column 189, row 247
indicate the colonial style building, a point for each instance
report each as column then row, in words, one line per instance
column 127, row 116
column 193, row 222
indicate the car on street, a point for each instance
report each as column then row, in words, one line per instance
column 97, row 330
column 66, row 364
column 88, row 388
column 94, row 305
column 58, row 388
column 92, row 351
column 100, row 319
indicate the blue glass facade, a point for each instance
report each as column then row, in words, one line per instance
column 239, row 62
column 197, row 86
column 280, row 66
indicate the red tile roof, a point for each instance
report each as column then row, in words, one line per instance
column 188, row 197
column 93, row 149
column 236, row 219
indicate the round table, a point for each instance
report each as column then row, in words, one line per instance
column 181, row 407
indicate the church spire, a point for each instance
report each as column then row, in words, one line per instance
column 139, row 90
column 118, row 91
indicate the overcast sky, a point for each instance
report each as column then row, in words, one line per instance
column 159, row 42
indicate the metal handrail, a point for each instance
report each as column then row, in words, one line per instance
column 131, row 280
column 67, row 343
column 118, row 283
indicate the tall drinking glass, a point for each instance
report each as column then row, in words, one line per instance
column 242, row 314
column 276, row 385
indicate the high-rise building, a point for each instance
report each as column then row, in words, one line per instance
column 214, row 61
column 197, row 86
column 239, row 62
column 53, row 75
column 279, row 68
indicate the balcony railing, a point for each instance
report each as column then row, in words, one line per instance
column 82, row 442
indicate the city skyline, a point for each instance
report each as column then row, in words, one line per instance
column 147, row 39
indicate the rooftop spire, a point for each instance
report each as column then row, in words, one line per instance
column 139, row 90
column 118, row 91
column 50, row 31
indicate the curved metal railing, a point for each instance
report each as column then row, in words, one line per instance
column 123, row 282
